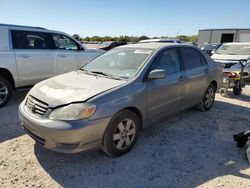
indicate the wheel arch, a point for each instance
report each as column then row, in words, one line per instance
column 214, row 83
column 137, row 112
column 7, row 75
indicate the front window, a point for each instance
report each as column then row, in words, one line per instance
column 234, row 49
column 64, row 43
column 122, row 63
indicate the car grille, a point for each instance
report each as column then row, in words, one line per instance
column 36, row 106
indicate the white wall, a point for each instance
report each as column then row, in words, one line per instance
column 216, row 35
column 203, row 36
column 243, row 36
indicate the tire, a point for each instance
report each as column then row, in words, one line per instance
column 237, row 91
column 208, row 99
column 5, row 91
column 248, row 80
column 121, row 133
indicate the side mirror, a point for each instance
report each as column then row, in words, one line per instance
column 157, row 74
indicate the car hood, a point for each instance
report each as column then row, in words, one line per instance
column 94, row 50
column 72, row 87
column 229, row 57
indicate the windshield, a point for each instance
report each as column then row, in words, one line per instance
column 234, row 49
column 105, row 44
column 121, row 62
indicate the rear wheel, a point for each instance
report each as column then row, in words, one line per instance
column 5, row 91
column 237, row 91
column 121, row 133
column 208, row 99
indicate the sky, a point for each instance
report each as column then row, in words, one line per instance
column 127, row 17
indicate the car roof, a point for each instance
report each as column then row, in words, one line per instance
column 238, row 43
column 160, row 40
column 30, row 28
column 153, row 45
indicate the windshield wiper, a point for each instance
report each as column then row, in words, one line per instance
column 100, row 72
column 103, row 74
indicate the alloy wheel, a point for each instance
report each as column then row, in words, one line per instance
column 3, row 92
column 209, row 97
column 124, row 134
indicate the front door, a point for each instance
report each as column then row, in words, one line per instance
column 165, row 95
column 65, row 53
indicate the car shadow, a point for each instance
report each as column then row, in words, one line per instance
column 9, row 121
column 241, row 97
column 186, row 150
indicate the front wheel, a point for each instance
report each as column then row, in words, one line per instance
column 208, row 99
column 121, row 133
column 5, row 91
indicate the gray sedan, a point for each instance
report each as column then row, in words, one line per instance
column 107, row 102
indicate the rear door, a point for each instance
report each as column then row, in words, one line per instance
column 196, row 69
column 165, row 95
column 34, row 52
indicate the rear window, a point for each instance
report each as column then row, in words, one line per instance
column 191, row 58
column 31, row 40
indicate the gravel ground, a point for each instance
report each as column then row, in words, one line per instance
column 192, row 149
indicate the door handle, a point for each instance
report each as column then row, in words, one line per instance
column 181, row 78
column 24, row 56
column 61, row 55
column 206, row 70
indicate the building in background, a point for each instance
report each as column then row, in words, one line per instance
column 223, row 35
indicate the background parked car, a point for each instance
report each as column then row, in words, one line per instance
column 31, row 54
column 210, row 48
column 117, row 94
column 229, row 55
column 110, row 44
column 164, row 40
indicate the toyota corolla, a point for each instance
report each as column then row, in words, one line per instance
column 107, row 102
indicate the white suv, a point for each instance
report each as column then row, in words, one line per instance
column 31, row 54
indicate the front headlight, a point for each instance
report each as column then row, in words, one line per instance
column 73, row 112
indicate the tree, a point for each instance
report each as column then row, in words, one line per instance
column 86, row 39
column 76, row 36
column 183, row 38
column 96, row 38
column 192, row 38
column 107, row 38
column 124, row 38
column 143, row 37
column 132, row 39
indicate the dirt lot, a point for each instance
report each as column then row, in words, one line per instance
column 188, row 150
